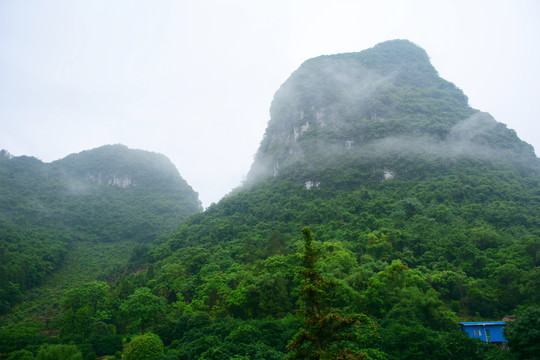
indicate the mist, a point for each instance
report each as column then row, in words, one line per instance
column 382, row 102
column 194, row 80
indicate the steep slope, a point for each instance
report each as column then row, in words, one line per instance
column 378, row 120
column 387, row 100
column 424, row 207
column 109, row 194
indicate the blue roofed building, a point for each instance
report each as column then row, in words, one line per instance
column 487, row 331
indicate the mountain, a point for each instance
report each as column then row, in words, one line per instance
column 368, row 105
column 108, row 194
column 424, row 211
column 143, row 191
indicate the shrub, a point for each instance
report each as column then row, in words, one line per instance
column 147, row 346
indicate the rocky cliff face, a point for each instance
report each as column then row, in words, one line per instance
column 122, row 181
column 387, row 98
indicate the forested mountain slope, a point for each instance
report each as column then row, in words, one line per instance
column 376, row 152
column 108, row 194
column 424, row 211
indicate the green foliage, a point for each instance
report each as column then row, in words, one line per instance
column 21, row 355
column 144, row 347
column 27, row 256
column 84, row 307
column 326, row 334
column 143, row 306
column 106, row 344
column 109, row 194
column 91, row 295
column 413, row 341
column 59, row 352
column 20, row 336
column 87, row 351
column 197, row 336
column 523, row 335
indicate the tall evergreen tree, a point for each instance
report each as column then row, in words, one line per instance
column 327, row 334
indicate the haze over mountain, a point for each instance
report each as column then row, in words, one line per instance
column 77, row 75
column 111, row 194
column 389, row 100
column 425, row 212
column 108, row 185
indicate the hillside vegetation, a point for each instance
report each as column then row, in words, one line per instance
column 379, row 212
column 106, row 195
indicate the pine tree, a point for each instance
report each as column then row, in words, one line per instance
column 326, row 334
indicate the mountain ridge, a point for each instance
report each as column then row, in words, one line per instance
column 346, row 101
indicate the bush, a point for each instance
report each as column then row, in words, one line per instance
column 106, row 344
column 21, row 355
column 59, row 352
column 147, row 346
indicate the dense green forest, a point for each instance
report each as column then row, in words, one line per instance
column 379, row 212
column 107, row 195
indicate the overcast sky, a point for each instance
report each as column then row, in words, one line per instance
column 194, row 79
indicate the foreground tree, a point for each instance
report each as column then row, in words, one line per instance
column 327, row 334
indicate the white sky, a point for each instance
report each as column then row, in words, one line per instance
column 194, row 79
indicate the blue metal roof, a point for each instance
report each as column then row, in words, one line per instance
column 486, row 323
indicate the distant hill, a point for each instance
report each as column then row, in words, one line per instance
column 142, row 191
column 107, row 194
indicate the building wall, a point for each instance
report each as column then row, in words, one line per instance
column 485, row 332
